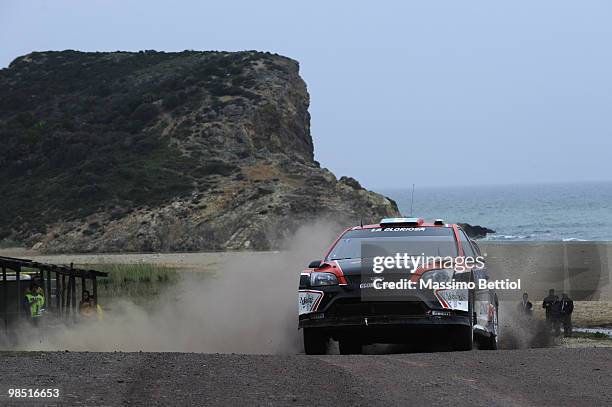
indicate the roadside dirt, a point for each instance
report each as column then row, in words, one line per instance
column 532, row 377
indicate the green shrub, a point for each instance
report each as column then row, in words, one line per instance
column 85, row 139
column 145, row 112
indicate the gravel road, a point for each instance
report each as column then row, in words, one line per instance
column 532, row 377
column 558, row 376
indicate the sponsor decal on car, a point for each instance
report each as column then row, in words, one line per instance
column 453, row 299
column 398, row 229
column 308, row 301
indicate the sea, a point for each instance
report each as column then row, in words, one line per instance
column 533, row 212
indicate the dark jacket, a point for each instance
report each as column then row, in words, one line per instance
column 549, row 304
column 566, row 306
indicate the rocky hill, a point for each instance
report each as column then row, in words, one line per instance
column 156, row 151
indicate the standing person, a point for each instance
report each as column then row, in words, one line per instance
column 33, row 303
column 41, row 299
column 86, row 307
column 566, row 309
column 556, row 316
column 548, row 305
column 525, row 306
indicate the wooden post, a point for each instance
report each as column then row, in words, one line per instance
column 73, row 296
column 4, row 298
column 58, row 291
column 63, row 294
column 48, row 296
column 19, row 293
column 94, row 284
column 69, row 297
column 72, row 289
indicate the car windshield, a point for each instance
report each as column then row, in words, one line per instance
column 427, row 241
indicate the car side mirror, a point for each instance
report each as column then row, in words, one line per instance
column 315, row 264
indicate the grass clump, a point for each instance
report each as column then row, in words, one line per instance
column 134, row 280
column 592, row 335
column 9, row 244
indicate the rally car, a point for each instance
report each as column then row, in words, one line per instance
column 340, row 296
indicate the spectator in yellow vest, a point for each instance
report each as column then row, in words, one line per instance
column 34, row 302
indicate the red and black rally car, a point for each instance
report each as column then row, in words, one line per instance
column 341, row 297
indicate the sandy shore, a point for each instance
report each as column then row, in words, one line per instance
column 582, row 269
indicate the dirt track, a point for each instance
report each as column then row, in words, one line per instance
column 556, row 376
column 560, row 377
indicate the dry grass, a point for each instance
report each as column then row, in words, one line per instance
column 134, row 280
column 264, row 172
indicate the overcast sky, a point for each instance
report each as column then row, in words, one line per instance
column 426, row 92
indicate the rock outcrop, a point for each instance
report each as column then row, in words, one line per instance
column 153, row 151
column 476, row 231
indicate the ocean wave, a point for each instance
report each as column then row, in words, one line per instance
column 508, row 237
column 533, row 237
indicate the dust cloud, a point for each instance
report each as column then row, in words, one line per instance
column 249, row 305
column 521, row 332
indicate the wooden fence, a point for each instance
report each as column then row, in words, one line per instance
column 59, row 284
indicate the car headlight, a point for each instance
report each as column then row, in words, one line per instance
column 438, row 276
column 321, row 279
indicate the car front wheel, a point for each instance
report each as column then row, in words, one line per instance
column 349, row 347
column 492, row 342
column 463, row 338
column 315, row 342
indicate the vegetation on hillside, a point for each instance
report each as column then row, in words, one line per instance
column 83, row 132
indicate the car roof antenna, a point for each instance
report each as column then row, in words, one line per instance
column 412, row 200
